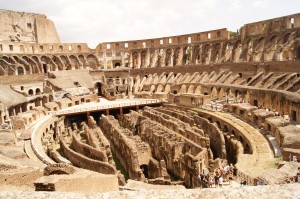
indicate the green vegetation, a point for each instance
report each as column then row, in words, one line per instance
column 119, row 166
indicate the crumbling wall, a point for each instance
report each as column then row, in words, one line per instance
column 123, row 146
column 85, row 162
column 87, row 150
column 183, row 158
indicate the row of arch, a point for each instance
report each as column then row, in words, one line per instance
column 264, row 48
column 27, row 64
column 273, row 100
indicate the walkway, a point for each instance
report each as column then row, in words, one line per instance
column 36, row 142
column 105, row 104
column 262, row 157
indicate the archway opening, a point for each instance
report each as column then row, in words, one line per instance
column 144, row 168
column 117, row 65
column 20, row 71
column 38, row 91
column 30, row 92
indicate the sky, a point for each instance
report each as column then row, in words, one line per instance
column 96, row 21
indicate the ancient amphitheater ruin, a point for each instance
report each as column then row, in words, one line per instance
column 149, row 114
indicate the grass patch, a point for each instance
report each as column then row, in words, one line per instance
column 119, row 166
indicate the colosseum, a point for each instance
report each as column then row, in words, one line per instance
column 154, row 114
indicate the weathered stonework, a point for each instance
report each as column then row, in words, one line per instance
column 220, row 97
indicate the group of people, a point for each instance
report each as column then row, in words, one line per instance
column 219, row 176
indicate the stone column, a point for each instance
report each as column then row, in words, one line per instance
column 130, row 61
column 139, row 60
column 180, row 55
column 147, row 58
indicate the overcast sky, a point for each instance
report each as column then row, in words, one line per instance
column 96, row 21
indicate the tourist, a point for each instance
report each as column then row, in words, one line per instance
column 220, row 181
column 230, row 178
column 209, row 180
column 295, row 159
column 235, row 171
column 217, row 179
column 226, row 169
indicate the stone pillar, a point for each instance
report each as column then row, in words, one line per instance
column 191, row 56
column 172, row 58
column 130, row 61
column 180, row 56
column 147, row 59
column 121, row 113
column 139, row 60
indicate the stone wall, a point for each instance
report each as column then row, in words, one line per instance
column 87, row 150
column 126, row 147
column 27, row 27
column 85, row 162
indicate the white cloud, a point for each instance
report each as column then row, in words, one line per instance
column 95, row 21
column 235, row 4
column 261, row 3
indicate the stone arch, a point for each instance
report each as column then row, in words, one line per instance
column 167, row 88
column 143, row 59
column 160, row 88
column 214, row 93
column 30, row 92
column 183, row 89
column 92, row 61
column 82, row 60
column 177, row 57
column 169, row 56
column 35, row 58
column 37, row 91
column 152, row 88
column 58, row 169
column 272, row 41
column 74, row 61
column 46, row 62
column 186, row 59
column 135, row 56
column 117, row 65
column 20, row 61
column 37, row 61
column 237, row 94
column 286, row 37
column 237, row 50
column 206, row 54
column 34, row 65
column 198, row 90
column 20, row 70
column 58, row 62
column 7, row 59
column 259, row 43
column 65, row 62
column 196, row 55
column 222, row 94
column 44, row 59
column 191, row 89
column 216, row 52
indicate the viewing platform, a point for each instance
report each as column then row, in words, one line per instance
column 106, row 105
